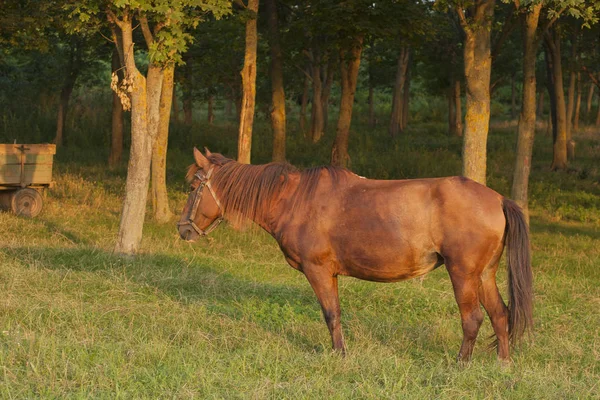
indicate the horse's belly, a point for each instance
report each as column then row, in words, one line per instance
column 398, row 269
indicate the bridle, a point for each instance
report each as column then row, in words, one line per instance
column 204, row 182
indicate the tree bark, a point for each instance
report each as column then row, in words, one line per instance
column 116, row 137
column 210, row 112
column 577, row 105
column 458, row 108
column 328, row 79
column 478, row 66
column 590, row 98
column 278, row 117
column 160, row 198
column 451, row 112
column 316, row 119
column 249, row 86
column 304, row 105
column 527, row 118
column 65, row 95
column 513, row 97
column 175, row 103
column 145, row 101
column 405, row 99
column 371, row 106
column 559, row 158
column 571, row 103
column 598, row 114
column 397, row 100
column 349, row 64
column 540, row 104
column 188, row 88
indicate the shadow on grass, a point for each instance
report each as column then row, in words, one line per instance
column 270, row 306
column 264, row 304
column 544, row 226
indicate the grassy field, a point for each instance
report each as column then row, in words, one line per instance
column 227, row 318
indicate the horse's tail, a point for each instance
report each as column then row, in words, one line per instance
column 520, row 279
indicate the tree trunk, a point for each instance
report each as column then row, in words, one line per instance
column 328, row 79
column 451, row 112
column 65, row 96
column 397, row 101
column 590, row 98
column 175, row 103
column 478, row 66
column 349, row 64
column 540, row 104
column 458, row 107
column 526, row 128
column 229, row 107
column 210, row 111
column 550, row 86
column 405, row 99
column 303, row 105
column 371, row 107
column 249, row 87
column 278, row 118
column 116, row 137
column 598, row 114
column 145, row 101
column 160, row 198
column 316, row 119
column 513, row 98
column 577, row 104
column 188, row 87
column 559, row 159
column 571, row 103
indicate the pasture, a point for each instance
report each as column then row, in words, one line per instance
column 227, row 318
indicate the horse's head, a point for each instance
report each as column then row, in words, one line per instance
column 203, row 211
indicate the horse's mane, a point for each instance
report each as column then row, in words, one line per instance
column 246, row 190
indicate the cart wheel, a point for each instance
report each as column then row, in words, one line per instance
column 27, row 202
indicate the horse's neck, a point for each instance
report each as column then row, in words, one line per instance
column 280, row 206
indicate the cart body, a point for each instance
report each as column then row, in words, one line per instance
column 25, row 171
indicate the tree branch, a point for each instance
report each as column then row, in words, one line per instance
column 506, row 30
column 549, row 22
column 594, row 80
column 146, row 30
column 112, row 18
column 463, row 19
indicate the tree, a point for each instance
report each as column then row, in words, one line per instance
column 163, row 24
column 476, row 20
column 248, row 85
column 278, row 119
column 116, row 137
column 530, row 14
column 349, row 64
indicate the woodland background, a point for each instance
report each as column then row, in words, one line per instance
column 503, row 92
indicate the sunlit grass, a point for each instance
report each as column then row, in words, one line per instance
column 227, row 318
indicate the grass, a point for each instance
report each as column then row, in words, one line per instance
column 227, row 318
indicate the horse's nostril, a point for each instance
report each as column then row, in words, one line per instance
column 188, row 234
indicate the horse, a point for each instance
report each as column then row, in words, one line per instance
column 329, row 222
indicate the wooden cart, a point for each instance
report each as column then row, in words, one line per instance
column 25, row 172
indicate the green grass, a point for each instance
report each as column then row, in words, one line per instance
column 227, row 318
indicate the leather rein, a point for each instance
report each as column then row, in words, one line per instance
column 204, row 182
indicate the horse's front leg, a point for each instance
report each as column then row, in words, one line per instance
column 325, row 285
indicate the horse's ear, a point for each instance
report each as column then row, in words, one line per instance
column 207, row 152
column 201, row 161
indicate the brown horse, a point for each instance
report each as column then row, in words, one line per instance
column 329, row 222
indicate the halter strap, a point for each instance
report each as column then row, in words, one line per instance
column 204, row 182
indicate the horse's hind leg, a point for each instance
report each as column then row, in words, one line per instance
column 466, row 284
column 496, row 309
column 325, row 285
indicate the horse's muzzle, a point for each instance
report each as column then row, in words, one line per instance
column 187, row 233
